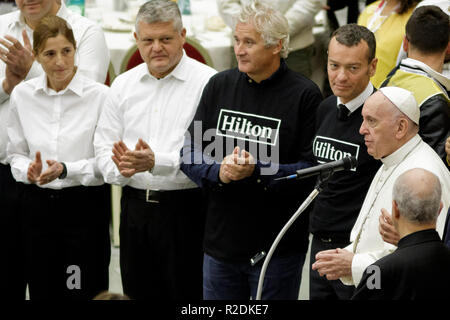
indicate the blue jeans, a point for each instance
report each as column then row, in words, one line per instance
column 239, row 280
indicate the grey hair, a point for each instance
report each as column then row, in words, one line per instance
column 271, row 24
column 418, row 202
column 154, row 11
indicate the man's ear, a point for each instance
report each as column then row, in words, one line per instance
column 405, row 44
column 278, row 47
column 395, row 212
column 403, row 128
column 183, row 34
column 373, row 67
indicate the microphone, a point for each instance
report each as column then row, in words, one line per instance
column 346, row 163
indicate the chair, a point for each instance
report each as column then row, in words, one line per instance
column 192, row 48
column 110, row 76
column 196, row 51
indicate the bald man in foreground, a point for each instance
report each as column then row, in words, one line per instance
column 418, row 269
column 390, row 127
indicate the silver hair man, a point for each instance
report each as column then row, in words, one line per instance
column 159, row 11
column 417, row 193
column 271, row 24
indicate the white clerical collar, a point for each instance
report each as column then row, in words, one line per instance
column 354, row 104
column 397, row 156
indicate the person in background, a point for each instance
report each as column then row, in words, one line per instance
column 418, row 269
column 334, row 5
column 137, row 143
column 445, row 7
column 16, row 65
column 387, row 20
column 300, row 15
column 65, row 222
column 390, row 129
column 427, row 43
column 261, row 118
column 351, row 63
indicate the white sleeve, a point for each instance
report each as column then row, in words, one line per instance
column 109, row 130
column 93, row 54
column 301, row 15
column 362, row 260
column 228, row 10
column 17, row 147
column 84, row 171
column 167, row 163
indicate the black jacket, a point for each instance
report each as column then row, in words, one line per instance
column 417, row 270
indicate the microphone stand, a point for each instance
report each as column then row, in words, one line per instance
column 321, row 183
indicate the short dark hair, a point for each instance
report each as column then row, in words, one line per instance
column 351, row 35
column 428, row 29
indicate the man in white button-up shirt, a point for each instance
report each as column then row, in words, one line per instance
column 137, row 144
column 390, row 127
column 17, row 64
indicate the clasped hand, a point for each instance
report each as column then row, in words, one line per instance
column 130, row 162
column 236, row 166
column 35, row 174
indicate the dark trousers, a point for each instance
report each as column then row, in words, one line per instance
column 239, row 280
column 161, row 244
column 320, row 288
column 67, row 241
column 12, row 283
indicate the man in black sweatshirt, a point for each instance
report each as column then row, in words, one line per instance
column 253, row 124
column 351, row 63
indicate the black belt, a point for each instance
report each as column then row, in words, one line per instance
column 157, row 196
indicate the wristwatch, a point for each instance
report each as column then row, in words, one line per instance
column 64, row 172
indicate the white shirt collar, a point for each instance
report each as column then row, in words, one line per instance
column 76, row 85
column 354, row 104
column 180, row 72
column 442, row 79
column 397, row 156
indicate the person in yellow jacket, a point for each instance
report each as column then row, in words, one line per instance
column 427, row 45
column 387, row 20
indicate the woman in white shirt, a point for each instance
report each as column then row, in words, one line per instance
column 65, row 209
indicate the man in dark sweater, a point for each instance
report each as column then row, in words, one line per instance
column 260, row 118
column 418, row 269
column 351, row 63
